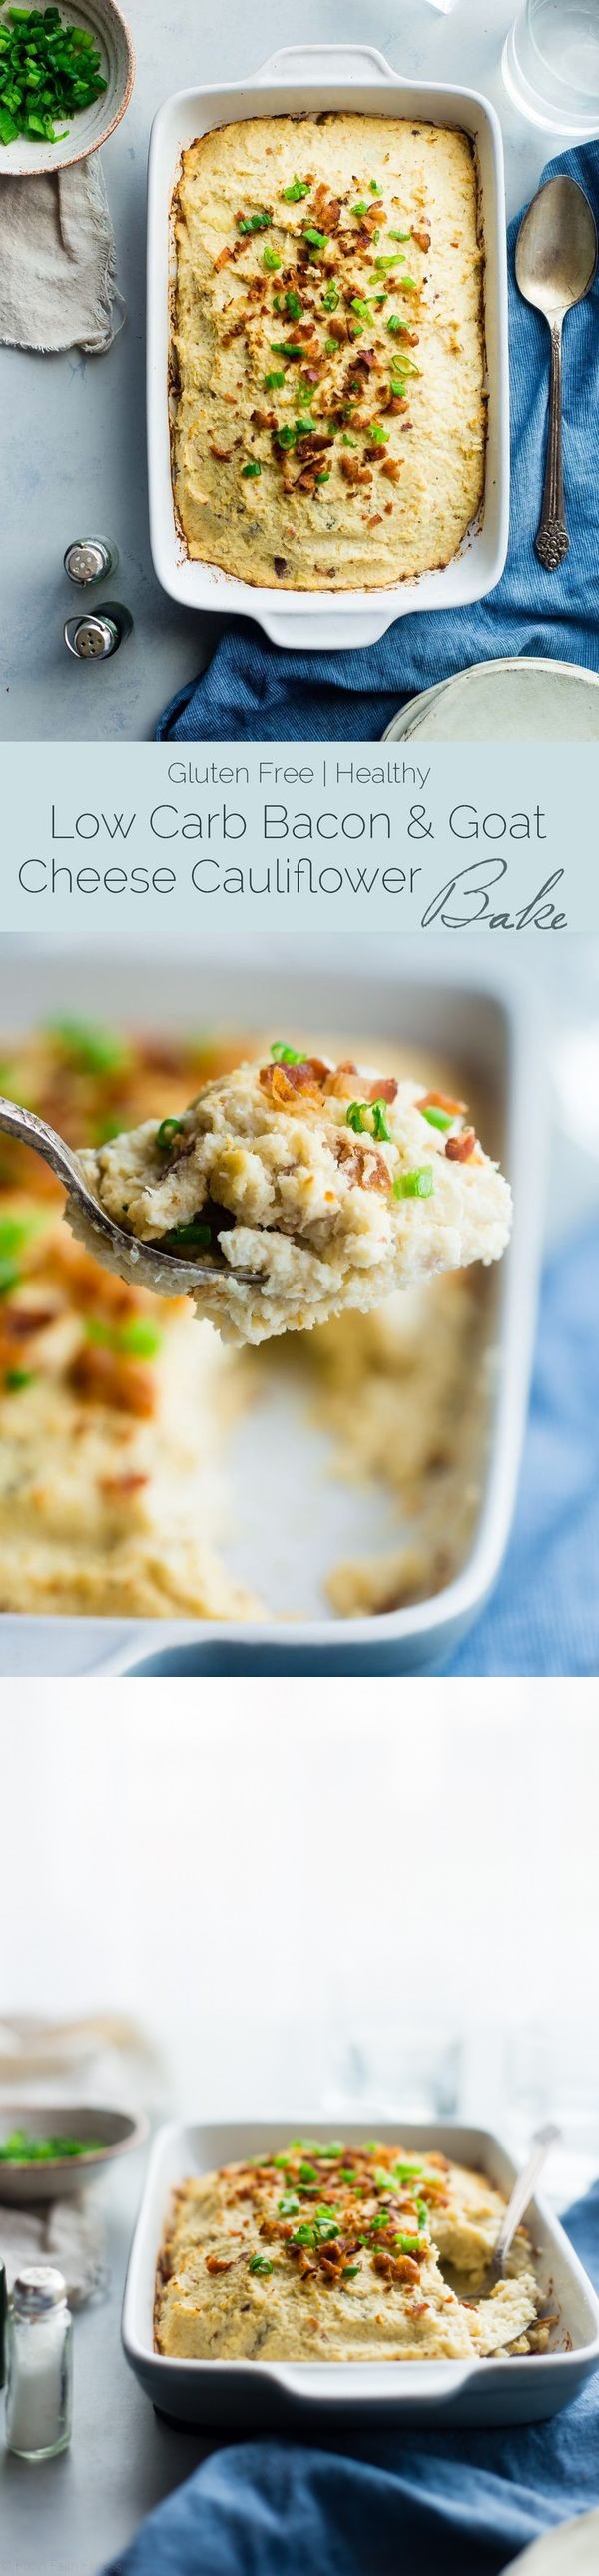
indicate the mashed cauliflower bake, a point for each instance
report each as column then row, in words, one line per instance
column 323, row 2252
column 317, row 1187
column 328, row 398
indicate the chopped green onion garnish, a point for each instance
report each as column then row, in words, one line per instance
column 316, row 240
column 284, row 1054
column 410, row 2245
column 304, row 2235
column 437, row 1118
column 260, row 2263
column 331, row 297
column 287, row 349
column 361, row 207
column 359, row 1114
column 360, row 305
column 139, row 1339
column 293, row 304
column 168, row 1129
column 252, row 468
column 91, row 1050
column 271, row 258
column 286, row 436
column 397, row 236
column 418, row 1184
column 255, row 223
column 276, row 377
column 193, row 1234
column 351, row 2271
column 405, row 2172
column 299, row 188
column 48, row 68
column 377, row 435
column 289, row 2205
column 17, row 1378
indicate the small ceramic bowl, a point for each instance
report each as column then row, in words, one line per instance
column 113, row 2133
column 25, row 158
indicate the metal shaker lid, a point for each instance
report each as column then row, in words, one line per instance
column 90, row 559
column 92, row 637
column 37, row 2290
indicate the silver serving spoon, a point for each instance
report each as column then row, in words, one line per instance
column 183, row 1274
column 556, row 258
column 517, row 2205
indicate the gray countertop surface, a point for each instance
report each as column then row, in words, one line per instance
column 74, row 427
column 73, row 2515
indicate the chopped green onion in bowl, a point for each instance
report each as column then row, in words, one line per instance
column 49, row 69
column 21, row 2149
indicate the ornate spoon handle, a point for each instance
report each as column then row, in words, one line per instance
column 552, row 540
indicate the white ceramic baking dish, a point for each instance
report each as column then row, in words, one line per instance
column 298, row 78
column 474, row 1019
column 261, row 2396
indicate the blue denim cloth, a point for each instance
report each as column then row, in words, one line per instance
column 543, row 1616
column 420, row 2504
column 254, row 692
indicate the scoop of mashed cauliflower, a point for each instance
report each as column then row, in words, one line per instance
column 313, row 1187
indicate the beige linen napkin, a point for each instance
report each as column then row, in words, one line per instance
column 66, row 2233
column 58, row 285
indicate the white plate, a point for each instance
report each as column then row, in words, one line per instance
column 335, row 77
column 92, row 126
column 116, row 2131
column 474, row 1021
column 521, row 700
column 252, row 2395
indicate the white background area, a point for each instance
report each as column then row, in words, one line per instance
column 304, row 1896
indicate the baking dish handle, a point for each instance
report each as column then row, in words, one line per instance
column 327, row 632
column 432, row 2383
column 314, row 62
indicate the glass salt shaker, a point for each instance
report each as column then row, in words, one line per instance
column 40, row 2365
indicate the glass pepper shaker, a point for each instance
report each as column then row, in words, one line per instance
column 40, row 2365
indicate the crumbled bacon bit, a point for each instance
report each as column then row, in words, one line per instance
column 264, row 419
column 385, row 1087
column 354, row 472
column 459, row 1148
column 223, row 454
column 128, row 1484
column 214, row 2264
column 363, row 1164
column 337, row 328
column 223, row 256
column 392, row 468
column 325, row 210
column 284, row 1080
column 405, row 2269
column 377, row 521
column 422, row 238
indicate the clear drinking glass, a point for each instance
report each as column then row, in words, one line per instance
column 551, row 65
